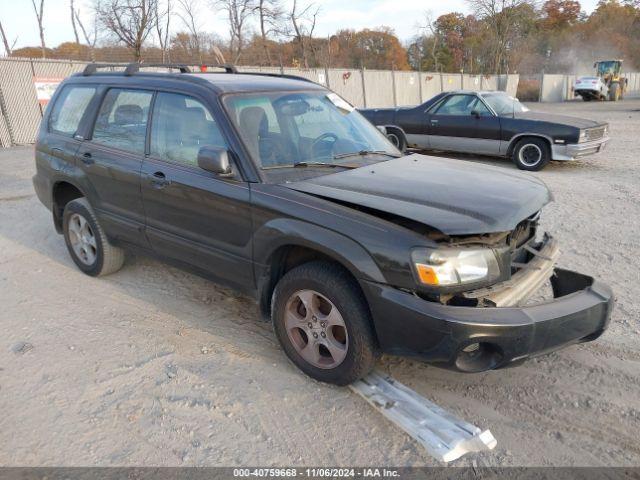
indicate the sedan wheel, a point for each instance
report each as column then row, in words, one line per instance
column 531, row 154
column 393, row 138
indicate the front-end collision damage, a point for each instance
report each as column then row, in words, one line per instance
column 524, row 283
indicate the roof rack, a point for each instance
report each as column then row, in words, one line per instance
column 228, row 68
column 131, row 68
column 92, row 68
column 134, row 67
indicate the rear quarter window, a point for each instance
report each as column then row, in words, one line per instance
column 69, row 108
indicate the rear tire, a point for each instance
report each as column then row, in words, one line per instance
column 86, row 241
column 531, row 154
column 323, row 323
column 397, row 138
column 614, row 92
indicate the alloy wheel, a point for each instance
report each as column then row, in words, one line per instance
column 316, row 329
column 82, row 239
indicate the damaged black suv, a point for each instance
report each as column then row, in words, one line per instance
column 277, row 187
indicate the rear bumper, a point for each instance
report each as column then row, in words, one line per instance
column 42, row 188
column 498, row 337
column 577, row 150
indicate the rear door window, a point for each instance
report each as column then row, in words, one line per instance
column 69, row 108
column 122, row 119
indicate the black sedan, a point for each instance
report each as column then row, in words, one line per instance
column 490, row 123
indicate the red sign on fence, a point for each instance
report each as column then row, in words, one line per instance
column 45, row 86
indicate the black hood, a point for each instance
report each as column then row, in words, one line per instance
column 455, row 197
column 559, row 119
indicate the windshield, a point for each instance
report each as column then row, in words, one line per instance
column 317, row 130
column 607, row 68
column 504, row 104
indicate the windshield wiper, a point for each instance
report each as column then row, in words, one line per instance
column 362, row 153
column 322, row 164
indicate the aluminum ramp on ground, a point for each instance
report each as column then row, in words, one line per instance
column 445, row 436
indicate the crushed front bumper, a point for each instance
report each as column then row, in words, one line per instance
column 473, row 339
column 572, row 151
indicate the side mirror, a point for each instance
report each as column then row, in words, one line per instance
column 214, row 160
column 475, row 113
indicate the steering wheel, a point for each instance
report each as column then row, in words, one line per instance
column 322, row 137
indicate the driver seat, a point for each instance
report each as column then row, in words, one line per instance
column 270, row 149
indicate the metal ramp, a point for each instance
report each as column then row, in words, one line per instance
column 443, row 435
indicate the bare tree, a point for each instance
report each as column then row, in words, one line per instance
column 73, row 21
column 8, row 48
column 188, row 15
column 502, row 18
column 269, row 16
column 162, row 23
column 430, row 30
column 90, row 39
column 131, row 21
column 238, row 12
column 40, row 15
column 303, row 21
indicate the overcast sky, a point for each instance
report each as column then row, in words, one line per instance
column 403, row 16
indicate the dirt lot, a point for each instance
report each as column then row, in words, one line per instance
column 154, row 366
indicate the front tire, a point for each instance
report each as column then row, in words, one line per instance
column 86, row 241
column 323, row 323
column 531, row 154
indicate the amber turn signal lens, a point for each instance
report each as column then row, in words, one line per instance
column 427, row 274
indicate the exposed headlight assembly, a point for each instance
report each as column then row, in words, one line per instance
column 449, row 267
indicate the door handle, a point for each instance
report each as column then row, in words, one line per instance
column 159, row 180
column 87, row 158
column 434, row 122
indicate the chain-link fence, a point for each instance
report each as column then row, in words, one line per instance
column 21, row 109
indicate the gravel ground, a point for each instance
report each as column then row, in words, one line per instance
column 154, row 366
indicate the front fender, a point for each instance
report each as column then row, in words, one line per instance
column 282, row 232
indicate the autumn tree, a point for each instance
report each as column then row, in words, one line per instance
column 503, row 19
column 373, row 49
column 560, row 14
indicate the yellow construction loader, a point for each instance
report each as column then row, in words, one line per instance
column 607, row 84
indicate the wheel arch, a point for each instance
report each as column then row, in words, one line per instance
column 309, row 243
column 516, row 138
column 62, row 192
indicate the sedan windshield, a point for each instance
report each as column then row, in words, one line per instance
column 315, row 130
column 504, row 104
